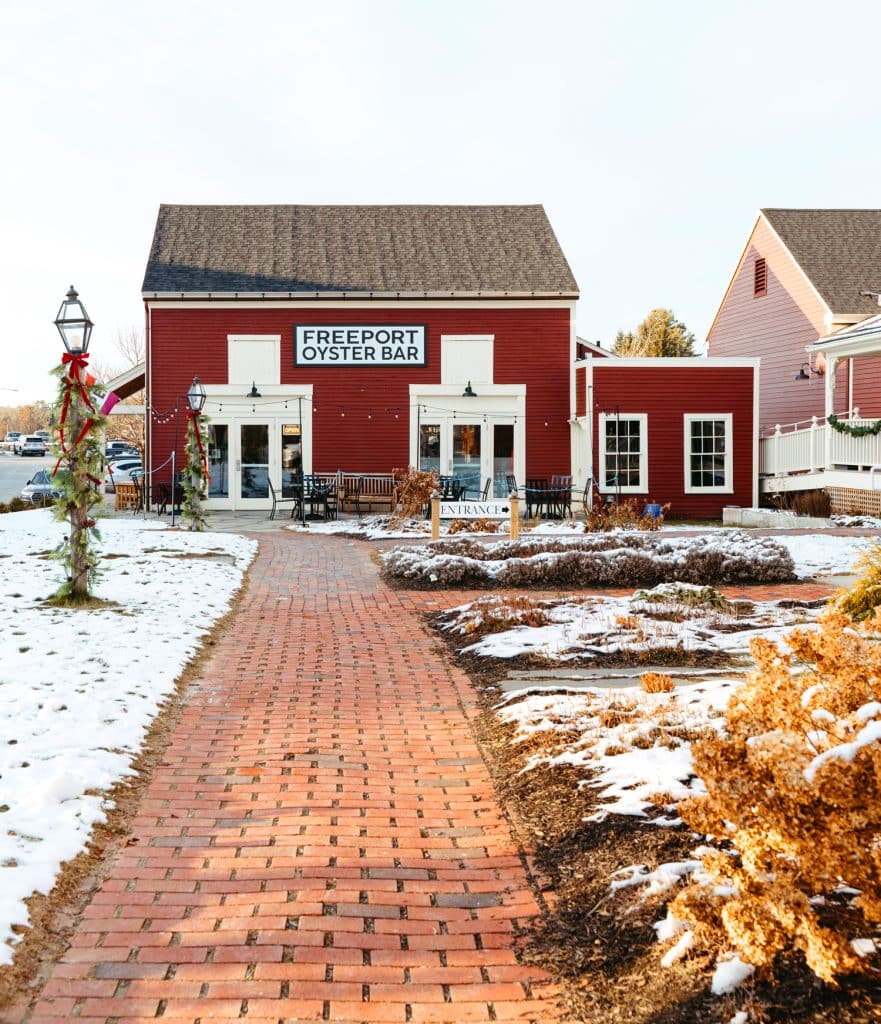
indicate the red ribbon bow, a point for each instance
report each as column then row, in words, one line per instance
column 76, row 363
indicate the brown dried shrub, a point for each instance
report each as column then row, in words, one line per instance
column 413, row 491
column 473, row 526
column 621, row 515
column 497, row 614
column 16, row 504
column 861, row 600
column 794, row 784
column 606, row 560
column 656, row 682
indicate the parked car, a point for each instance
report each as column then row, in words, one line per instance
column 41, row 488
column 47, row 437
column 11, row 437
column 116, row 449
column 17, row 443
column 31, row 445
column 122, row 472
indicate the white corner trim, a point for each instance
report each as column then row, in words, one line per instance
column 754, row 435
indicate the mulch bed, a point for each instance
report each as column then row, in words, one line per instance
column 602, row 947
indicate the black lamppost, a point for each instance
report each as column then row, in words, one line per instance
column 197, row 462
column 76, row 417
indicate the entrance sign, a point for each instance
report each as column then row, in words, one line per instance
column 359, row 345
column 475, row 509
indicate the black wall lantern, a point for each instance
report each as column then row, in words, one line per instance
column 469, row 391
column 74, row 325
column 253, row 393
column 801, row 375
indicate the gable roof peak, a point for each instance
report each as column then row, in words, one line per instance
column 838, row 250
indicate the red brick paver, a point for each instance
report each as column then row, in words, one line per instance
column 322, row 840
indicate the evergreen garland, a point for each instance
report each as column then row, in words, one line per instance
column 872, row 429
column 78, row 445
column 195, row 479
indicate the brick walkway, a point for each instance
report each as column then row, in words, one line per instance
column 322, row 840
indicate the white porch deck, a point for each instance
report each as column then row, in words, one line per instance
column 799, row 457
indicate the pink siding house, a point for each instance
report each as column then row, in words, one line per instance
column 803, row 275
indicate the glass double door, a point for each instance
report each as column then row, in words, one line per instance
column 245, row 454
column 470, row 451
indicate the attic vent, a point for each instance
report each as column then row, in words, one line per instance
column 760, row 278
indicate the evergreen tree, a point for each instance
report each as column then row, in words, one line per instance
column 660, row 334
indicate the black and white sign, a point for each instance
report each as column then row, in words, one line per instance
column 359, row 345
column 475, row 509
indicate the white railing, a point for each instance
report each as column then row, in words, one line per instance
column 793, row 449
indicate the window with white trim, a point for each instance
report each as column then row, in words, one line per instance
column 623, row 444
column 708, row 462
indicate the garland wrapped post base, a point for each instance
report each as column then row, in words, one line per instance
column 78, row 474
column 195, row 480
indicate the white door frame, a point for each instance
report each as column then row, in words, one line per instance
column 445, row 405
column 226, row 404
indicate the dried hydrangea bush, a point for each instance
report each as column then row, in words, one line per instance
column 794, row 793
column 603, row 559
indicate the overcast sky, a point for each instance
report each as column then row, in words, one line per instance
column 652, row 132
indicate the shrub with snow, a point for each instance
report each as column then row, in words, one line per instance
column 861, row 600
column 794, row 785
column 594, row 560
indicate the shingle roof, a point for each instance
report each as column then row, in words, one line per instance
column 839, row 250
column 415, row 249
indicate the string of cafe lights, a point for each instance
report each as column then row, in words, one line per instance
column 350, row 408
column 343, row 409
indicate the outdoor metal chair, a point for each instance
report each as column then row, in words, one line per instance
column 479, row 494
column 321, row 492
column 511, row 483
column 451, row 488
column 294, row 500
column 138, row 484
column 537, row 496
column 160, row 496
column 561, row 495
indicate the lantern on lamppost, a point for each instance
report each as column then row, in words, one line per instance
column 74, row 325
column 195, row 483
column 80, row 427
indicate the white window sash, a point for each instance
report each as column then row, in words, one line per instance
column 643, row 485
column 704, row 417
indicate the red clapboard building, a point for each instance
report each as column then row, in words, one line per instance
column 365, row 339
column 677, row 431
column 362, row 339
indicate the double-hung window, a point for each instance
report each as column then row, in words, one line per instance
column 623, row 448
column 708, row 462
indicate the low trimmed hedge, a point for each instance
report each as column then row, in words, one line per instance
column 601, row 560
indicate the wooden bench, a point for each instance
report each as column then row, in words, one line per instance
column 376, row 489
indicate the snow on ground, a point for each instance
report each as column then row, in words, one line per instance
column 586, row 628
column 79, row 688
column 819, row 553
column 368, row 527
column 634, row 747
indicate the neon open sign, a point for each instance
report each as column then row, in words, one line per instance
column 361, row 345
